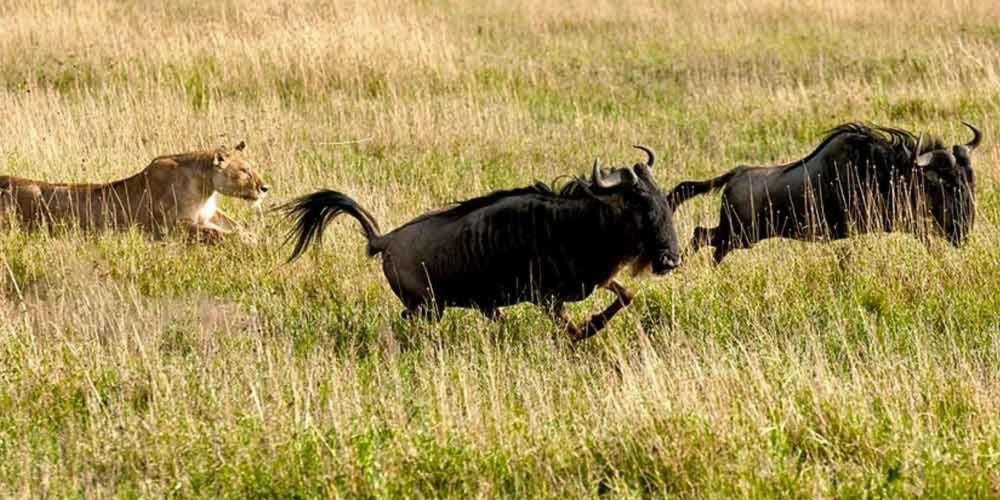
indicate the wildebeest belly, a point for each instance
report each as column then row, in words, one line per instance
column 538, row 280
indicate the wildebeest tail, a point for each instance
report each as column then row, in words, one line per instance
column 313, row 212
column 6, row 192
column 689, row 189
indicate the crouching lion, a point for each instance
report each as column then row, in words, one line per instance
column 175, row 191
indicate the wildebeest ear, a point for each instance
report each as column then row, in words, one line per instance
column 643, row 171
column 925, row 159
column 932, row 176
column 241, row 146
column 962, row 154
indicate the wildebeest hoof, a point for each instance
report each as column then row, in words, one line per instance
column 574, row 332
column 494, row 314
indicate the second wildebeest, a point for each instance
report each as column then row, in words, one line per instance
column 862, row 178
column 523, row 245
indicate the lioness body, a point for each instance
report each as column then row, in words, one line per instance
column 173, row 191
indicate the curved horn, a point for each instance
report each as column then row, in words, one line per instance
column 650, row 157
column 598, row 178
column 925, row 159
column 977, row 136
column 614, row 179
column 916, row 152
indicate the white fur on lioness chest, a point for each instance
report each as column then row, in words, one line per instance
column 208, row 209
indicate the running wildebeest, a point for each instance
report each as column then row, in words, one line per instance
column 862, row 178
column 522, row 245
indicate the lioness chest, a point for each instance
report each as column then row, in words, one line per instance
column 208, row 209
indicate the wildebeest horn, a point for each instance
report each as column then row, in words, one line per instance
column 650, row 157
column 612, row 180
column 924, row 160
column 977, row 136
column 596, row 177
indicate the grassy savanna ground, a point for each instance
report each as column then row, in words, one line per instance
column 132, row 367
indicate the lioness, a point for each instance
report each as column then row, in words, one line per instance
column 173, row 191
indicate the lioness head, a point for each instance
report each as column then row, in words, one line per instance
column 232, row 175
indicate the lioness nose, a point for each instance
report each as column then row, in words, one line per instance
column 264, row 188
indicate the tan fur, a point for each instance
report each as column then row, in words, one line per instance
column 176, row 191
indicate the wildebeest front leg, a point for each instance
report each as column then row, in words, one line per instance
column 559, row 315
column 598, row 321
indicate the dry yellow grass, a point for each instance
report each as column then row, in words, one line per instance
column 135, row 368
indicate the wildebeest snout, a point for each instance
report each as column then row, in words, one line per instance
column 666, row 263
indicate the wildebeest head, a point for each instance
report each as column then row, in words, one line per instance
column 652, row 211
column 949, row 185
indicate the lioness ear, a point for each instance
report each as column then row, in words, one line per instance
column 219, row 158
column 241, row 146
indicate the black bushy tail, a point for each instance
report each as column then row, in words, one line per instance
column 689, row 189
column 313, row 212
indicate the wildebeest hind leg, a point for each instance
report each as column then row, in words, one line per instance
column 702, row 236
column 714, row 237
column 494, row 314
column 720, row 253
column 724, row 242
column 431, row 311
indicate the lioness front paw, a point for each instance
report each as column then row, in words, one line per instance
column 205, row 235
column 247, row 237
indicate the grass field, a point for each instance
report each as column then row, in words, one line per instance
column 128, row 367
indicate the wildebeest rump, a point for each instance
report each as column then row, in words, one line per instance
column 531, row 244
column 861, row 178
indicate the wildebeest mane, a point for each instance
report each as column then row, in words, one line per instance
column 886, row 146
column 576, row 187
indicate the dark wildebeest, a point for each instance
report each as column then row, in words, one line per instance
column 861, row 178
column 523, row 245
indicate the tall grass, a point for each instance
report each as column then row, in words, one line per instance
column 867, row 367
